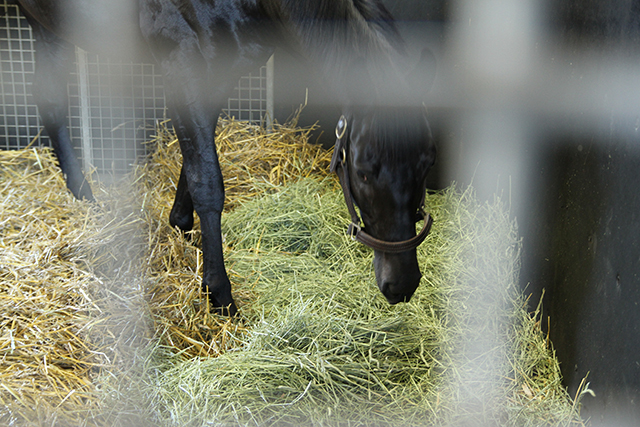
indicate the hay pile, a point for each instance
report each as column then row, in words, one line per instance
column 105, row 323
column 69, row 308
column 324, row 347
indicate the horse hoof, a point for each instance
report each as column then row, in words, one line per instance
column 229, row 311
column 82, row 191
column 86, row 194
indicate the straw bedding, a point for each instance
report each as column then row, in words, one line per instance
column 103, row 322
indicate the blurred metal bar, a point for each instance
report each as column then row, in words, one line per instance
column 270, row 108
column 85, row 114
column 493, row 43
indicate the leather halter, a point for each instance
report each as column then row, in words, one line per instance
column 355, row 230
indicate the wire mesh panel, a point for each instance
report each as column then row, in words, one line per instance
column 19, row 120
column 113, row 106
column 249, row 99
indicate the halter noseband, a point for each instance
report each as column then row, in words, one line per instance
column 355, row 230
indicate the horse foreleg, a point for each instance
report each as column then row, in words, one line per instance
column 53, row 60
column 201, row 188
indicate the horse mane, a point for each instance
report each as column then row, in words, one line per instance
column 356, row 42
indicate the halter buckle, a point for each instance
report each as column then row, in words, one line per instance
column 353, row 230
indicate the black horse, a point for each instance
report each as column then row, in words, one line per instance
column 384, row 146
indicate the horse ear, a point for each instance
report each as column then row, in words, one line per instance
column 424, row 73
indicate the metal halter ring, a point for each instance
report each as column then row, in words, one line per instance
column 340, row 133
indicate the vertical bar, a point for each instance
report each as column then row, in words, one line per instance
column 269, row 112
column 85, row 113
column 494, row 42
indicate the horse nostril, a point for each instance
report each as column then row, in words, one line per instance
column 384, row 287
column 396, row 292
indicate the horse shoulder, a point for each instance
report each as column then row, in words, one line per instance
column 223, row 36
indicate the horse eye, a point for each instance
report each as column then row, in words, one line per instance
column 362, row 175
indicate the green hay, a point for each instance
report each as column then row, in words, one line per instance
column 323, row 347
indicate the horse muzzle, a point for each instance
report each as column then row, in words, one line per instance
column 398, row 275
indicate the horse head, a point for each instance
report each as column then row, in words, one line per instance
column 382, row 157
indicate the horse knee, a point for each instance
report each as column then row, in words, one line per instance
column 208, row 197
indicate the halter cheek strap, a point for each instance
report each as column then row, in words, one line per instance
column 339, row 166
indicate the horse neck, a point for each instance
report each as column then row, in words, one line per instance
column 355, row 42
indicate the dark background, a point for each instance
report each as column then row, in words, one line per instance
column 583, row 245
